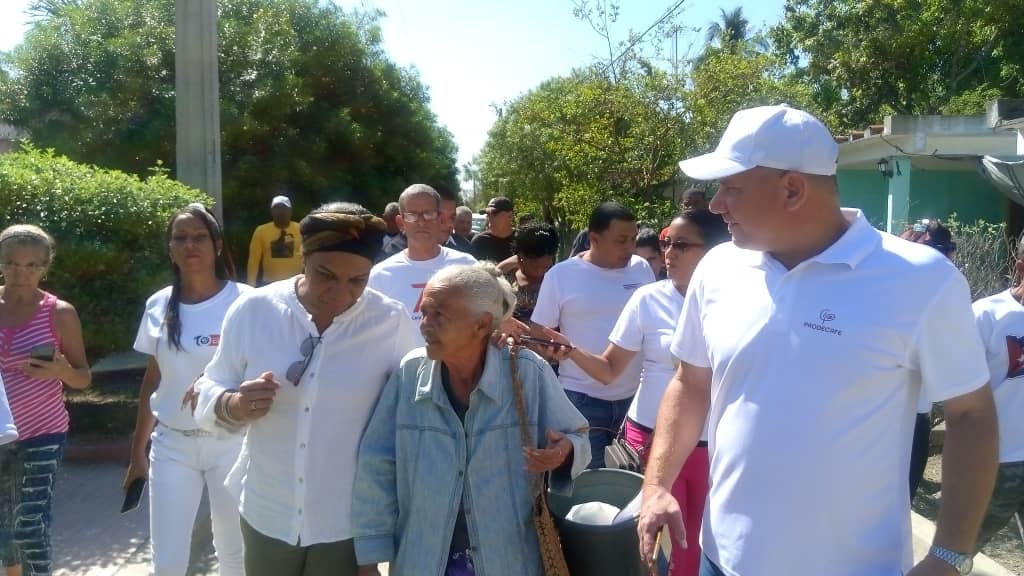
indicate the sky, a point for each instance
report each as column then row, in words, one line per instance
column 473, row 54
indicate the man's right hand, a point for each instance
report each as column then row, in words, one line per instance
column 659, row 509
column 138, row 467
column 254, row 398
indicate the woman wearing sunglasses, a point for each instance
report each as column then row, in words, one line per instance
column 645, row 327
column 179, row 332
column 300, row 365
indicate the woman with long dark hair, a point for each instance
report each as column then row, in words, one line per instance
column 180, row 331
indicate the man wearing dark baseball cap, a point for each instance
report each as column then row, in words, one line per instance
column 495, row 243
column 805, row 344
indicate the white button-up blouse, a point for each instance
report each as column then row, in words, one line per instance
column 295, row 473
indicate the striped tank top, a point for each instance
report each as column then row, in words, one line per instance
column 37, row 405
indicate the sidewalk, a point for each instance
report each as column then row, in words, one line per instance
column 92, row 538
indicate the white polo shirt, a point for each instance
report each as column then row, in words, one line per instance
column 816, row 377
column 1000, row 320
column 583, row 301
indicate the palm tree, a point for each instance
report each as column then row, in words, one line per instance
column 730, row 31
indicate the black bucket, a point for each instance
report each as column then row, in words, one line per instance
column 600, row 550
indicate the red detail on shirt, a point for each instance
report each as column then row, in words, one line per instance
column 420, row 299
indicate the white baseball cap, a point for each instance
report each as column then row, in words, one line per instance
column 770, row 136
column 281, row 201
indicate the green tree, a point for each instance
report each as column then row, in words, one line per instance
column 725, row 82
column 731, row 29
column 868, row 58
column 309, row 100
column 574, row 141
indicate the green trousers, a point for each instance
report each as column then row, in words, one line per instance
column 266, row 556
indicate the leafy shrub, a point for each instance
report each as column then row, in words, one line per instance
column 109, row 228
column 984, row 253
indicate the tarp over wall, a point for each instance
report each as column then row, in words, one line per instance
column 1006, row 176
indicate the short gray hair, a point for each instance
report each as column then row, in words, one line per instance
column 416, row 190
column 463, row 210
column 484, row 288
column 392, row 209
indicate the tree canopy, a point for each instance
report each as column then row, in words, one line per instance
column 309, row 100
column 864, row 59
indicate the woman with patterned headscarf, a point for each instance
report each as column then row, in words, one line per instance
column 300, row 365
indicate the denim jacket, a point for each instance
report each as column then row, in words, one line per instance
column 417, row 463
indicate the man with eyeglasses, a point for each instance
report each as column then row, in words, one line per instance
column 404, row 275
column 275, row 251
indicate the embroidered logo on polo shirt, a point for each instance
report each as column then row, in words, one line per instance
column 825, row 317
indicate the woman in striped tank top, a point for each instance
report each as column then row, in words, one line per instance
column 31, row 318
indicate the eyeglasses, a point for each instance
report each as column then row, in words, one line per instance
column 667, row 243
column 426, row 216
column 11, row 266
column 298, row 368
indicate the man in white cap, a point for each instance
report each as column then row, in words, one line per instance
column 806, row 343
column 275, row 251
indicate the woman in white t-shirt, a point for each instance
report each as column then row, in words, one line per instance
column 645, row 327
column 180, row 331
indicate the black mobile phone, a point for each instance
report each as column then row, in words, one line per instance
column 133, row 495
column 43, row 352
column 543, row 342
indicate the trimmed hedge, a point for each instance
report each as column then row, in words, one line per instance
column 109, row 227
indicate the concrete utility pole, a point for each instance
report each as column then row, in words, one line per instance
column 197, row 98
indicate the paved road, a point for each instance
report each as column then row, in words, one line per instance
column 91, row 537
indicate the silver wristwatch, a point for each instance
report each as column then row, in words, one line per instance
column 963, row 563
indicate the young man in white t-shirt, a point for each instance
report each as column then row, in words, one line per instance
column 404, row 275
column 806, row 343
column 1000, row 320
column 582, row 297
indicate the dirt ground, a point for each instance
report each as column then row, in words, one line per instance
column 1006, row 548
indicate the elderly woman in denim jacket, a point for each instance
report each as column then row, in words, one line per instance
column 443, row 485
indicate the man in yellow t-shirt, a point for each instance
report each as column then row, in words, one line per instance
column 276, row 246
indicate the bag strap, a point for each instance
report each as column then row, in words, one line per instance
column 539, row 482
column 525, row 436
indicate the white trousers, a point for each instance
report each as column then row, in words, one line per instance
column 179, row 467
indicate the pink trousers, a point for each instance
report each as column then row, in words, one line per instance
column 690, row 490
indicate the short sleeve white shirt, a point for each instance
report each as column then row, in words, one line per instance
column 403, row 279
column 1000, row 320
column 295, row 472
column 646, row 325
column 816, row 375
column 200, row 336
column 583, row 301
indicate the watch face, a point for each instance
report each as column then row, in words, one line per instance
column 966, row 566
